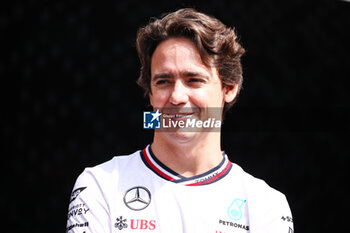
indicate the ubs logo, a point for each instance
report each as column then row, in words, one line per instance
column 137, row 198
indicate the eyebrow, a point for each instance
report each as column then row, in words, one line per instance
column 167, row 75
column 162, row 76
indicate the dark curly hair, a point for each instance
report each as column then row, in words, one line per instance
column 217, row 45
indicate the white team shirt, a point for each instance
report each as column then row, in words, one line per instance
column 137, row 193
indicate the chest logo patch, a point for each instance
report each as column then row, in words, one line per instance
column 137, row 198
column 234, row 211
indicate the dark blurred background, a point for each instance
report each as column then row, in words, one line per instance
column 68, row 72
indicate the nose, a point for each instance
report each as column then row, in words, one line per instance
column 178, row 94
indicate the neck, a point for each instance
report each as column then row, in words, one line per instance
column 188, row 157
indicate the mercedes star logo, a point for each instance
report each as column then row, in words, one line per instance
column 137, row 198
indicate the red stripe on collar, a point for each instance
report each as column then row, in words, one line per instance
column 154, row 167
column 166, row 173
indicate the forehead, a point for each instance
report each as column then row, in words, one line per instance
column 176, row 53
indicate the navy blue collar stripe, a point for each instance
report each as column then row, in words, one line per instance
column 211, row 176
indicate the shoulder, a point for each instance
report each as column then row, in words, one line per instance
column 110, row 168
column 253, row 184
column 97, row 183
column 93, row 194
column 265, row 203
column 100, row 178
column 260, row 195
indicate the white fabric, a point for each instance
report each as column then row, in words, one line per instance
column 236, row 203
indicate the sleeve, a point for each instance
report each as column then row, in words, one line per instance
column 88, row 210
column 281, row 220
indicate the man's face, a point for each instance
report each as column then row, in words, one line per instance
column 181, row 83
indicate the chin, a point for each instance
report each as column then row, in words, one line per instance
column 182, row 137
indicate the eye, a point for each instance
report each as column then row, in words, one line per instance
column 162, row 81
column 195, row 80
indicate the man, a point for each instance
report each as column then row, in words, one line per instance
column 182, row 182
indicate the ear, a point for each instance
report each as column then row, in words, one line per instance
column 230, row 92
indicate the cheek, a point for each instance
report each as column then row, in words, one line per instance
column 158, row 98
column 208, row 98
